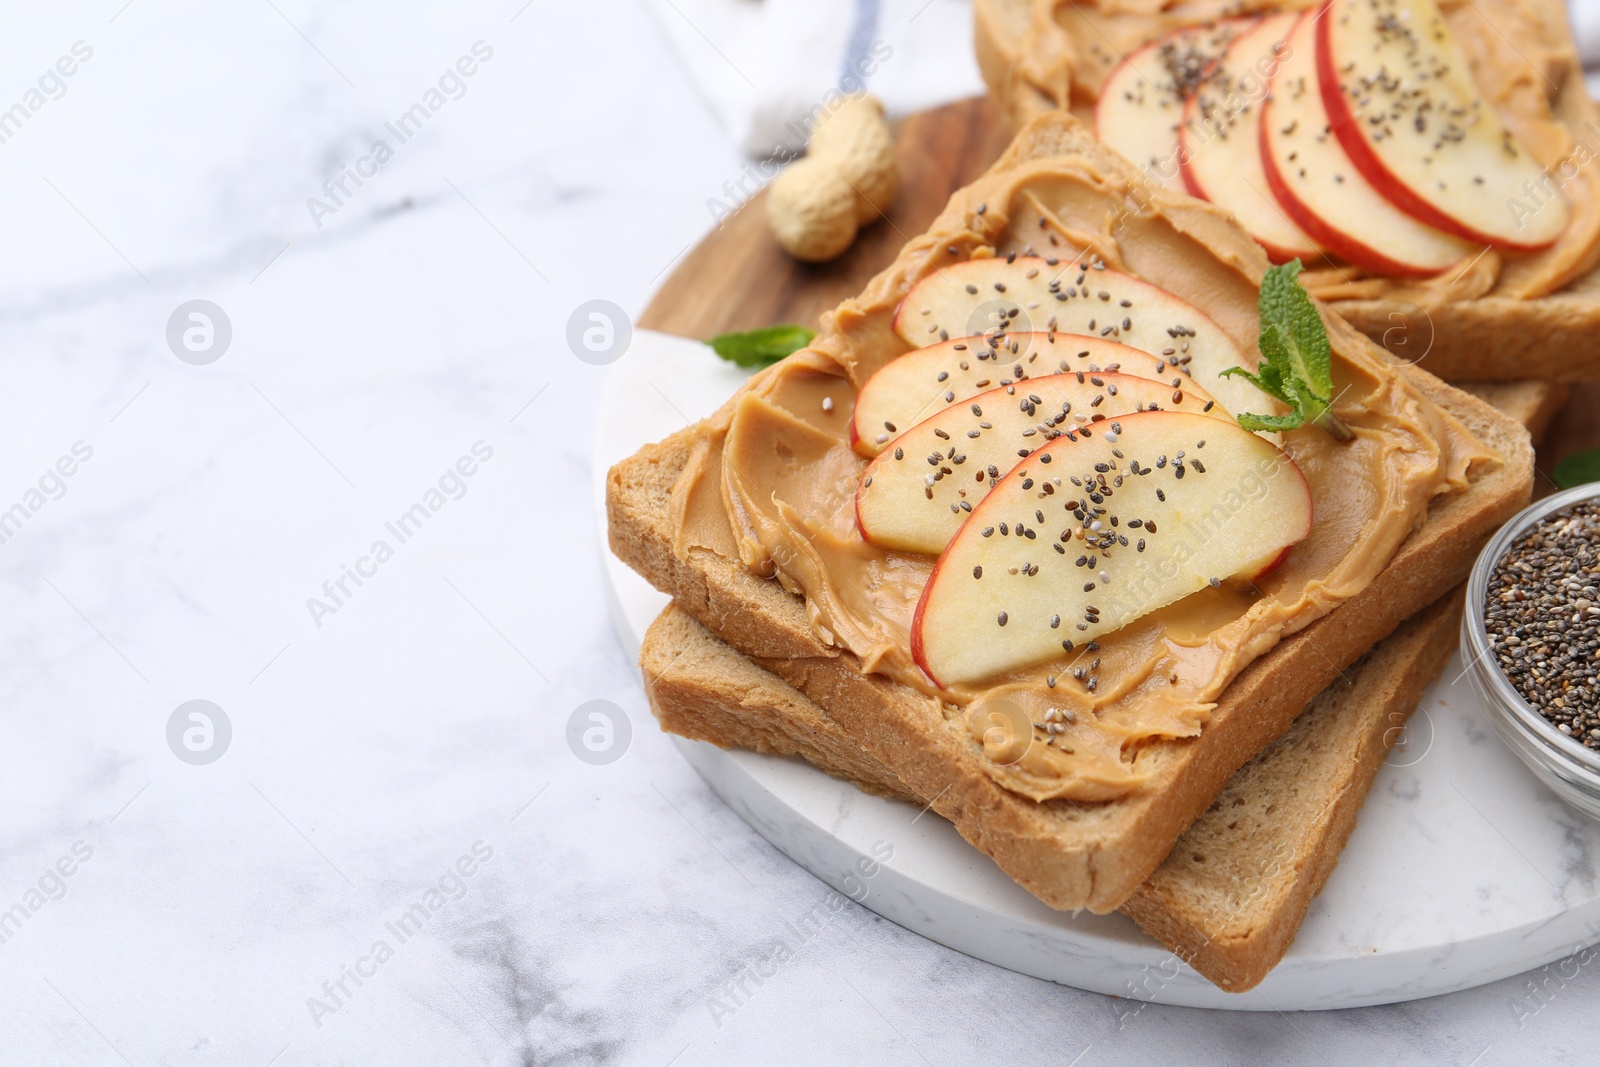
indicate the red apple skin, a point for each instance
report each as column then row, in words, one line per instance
column 1275, row 254
column 1347, row 129
column 919, row 659
column 916, row 616
column 1180, row 153
column 916, row 629
column 1311, row 521
column 1337, row 243
column 1280, row 256
column 899, row 309
column 1185, row 168
column 1127, row 61
column 894, row 323
column 1282, row 558
column 861, row 527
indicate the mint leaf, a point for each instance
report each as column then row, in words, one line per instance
column 1287, row 308
column 1580, row 468
column 1269, row 381
column 1270, row 423
column 763, row 347
column 1296, row 359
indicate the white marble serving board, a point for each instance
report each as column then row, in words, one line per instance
column 1462, row 870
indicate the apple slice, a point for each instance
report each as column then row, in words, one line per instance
column 1221, row 140
column 920, row 384
column 1141, row 103
column 915, row 496
column 1325, row 192
column 1402, row 102
column 1113, row 527
column 1022, row 293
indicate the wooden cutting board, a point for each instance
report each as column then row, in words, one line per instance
column 738, row 278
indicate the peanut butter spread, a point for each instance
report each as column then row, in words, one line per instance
column 1524, row 64
column 772, row 481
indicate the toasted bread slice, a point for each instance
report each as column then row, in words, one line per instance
column 1233, row 891
column 1533, row 404
column 1072, row 854
column 1005, row 38
column 1068, row 854
column 1236, row 886
column 1492, row 338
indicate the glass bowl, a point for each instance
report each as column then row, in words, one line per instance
column 1563, row 764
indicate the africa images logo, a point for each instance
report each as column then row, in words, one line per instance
column 451, row 485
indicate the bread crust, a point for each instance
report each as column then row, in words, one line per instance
column 1231, row 894
column 1493, row 338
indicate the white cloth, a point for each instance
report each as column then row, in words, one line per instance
column 1585, row 17
column 763, row 65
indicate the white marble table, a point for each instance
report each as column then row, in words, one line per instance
column 398, row 770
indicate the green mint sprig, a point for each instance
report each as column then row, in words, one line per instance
column 1296, row 362
column 763, row 347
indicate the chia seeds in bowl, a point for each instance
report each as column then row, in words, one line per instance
column 1530, row 637
column 1542, row 613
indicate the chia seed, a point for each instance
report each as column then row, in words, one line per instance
column 1542, row 614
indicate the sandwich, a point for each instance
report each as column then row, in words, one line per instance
column 1233, row 891
column 1214, row 556
column 1431, row 163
